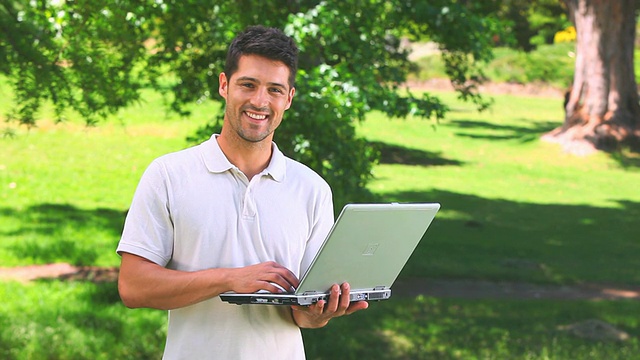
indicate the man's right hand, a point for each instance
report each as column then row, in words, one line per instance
column 143, row 283
column 263, row 276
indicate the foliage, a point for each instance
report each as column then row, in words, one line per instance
column 95, row 57
column 532, row 23
column 548, row 17
column 545, row 18
column 465, row 32
column 523, row 24
column 79, row 55
column 549, row 64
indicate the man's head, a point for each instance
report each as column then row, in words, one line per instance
column 257, row 85
column 270, row 43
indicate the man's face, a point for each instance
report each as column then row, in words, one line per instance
column 256, row 95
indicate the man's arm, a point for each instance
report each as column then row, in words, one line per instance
column 319, row 314
column 143, row 283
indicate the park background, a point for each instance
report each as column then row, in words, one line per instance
column 515, row 210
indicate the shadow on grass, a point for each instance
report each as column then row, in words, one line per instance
column 525, row 134
column 497, row 239
column 395, row 154
column 628, row 158
column 626, row 155
column 60, row 233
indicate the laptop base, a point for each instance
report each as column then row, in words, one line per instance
column 301, row 299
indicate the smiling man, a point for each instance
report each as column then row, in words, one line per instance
column 261, row 99
column 232, row 214
column 257, row 94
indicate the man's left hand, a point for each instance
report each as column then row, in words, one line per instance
column 319, row 314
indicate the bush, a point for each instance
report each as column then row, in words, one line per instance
column 549, row 64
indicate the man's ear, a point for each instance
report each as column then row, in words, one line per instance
column 290, row 99
column 223, row 89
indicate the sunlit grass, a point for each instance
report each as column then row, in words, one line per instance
column 429, row 328
column 55, row 320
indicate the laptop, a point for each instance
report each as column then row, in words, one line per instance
column 367, row 247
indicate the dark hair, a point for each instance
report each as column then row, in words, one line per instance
column 270, row 43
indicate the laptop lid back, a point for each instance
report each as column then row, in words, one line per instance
column 368, row 246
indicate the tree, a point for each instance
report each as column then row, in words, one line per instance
column 77, row 54
column 602, row 109
column 94, row 57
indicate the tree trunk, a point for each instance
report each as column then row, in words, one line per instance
column 602, row 109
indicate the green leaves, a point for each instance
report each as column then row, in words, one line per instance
column 95, row 57
column 79, row 55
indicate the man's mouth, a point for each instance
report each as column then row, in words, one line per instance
column 255, row 116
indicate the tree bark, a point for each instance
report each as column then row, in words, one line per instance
column 601, row 109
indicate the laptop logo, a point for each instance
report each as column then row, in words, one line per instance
column 370, row 249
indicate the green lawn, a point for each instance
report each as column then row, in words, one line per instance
column 513, row 209
column 508, row 198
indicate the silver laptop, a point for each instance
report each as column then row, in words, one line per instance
column 367, row 247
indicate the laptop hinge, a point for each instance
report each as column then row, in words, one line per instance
column 379, row 288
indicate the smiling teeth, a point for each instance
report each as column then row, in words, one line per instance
column 256, row 116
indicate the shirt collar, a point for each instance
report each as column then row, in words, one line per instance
column 217, row 162
column 277, row 168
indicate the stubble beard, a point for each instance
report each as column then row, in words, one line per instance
column 242, row 133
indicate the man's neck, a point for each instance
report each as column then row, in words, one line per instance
column 250, row 158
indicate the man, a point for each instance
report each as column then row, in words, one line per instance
column 232, row 214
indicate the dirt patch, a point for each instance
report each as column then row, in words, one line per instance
column 468, row 289
column 533, row 89
column 472, row 289
column 61, row 271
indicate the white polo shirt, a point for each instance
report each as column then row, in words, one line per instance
column 195, row 210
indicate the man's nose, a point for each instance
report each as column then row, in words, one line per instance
column 260, row 98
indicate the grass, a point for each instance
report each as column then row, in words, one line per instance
column 508, row 198
column 76, row 320
column 69, row 185
column 513, row 209
column 429, row 328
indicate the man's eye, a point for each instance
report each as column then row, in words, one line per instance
column 276, row 90
column 247, row 85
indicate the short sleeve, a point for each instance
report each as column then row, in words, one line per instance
column 148, row 229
